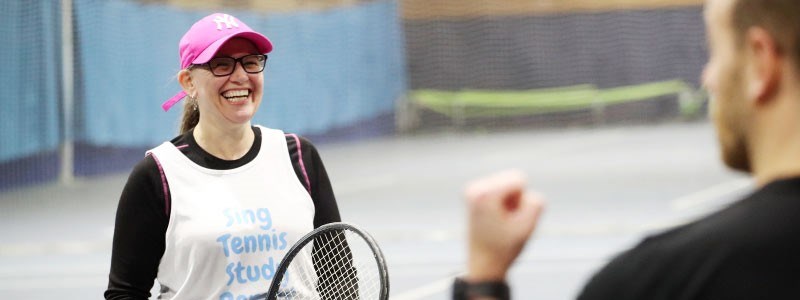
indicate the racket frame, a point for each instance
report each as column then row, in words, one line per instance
column 295, row 249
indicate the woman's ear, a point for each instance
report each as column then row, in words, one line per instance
column 187, row 82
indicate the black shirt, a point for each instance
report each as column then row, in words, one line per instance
column 143, row 210
column 750, row 250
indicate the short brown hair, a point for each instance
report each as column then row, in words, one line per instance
column 780, row 17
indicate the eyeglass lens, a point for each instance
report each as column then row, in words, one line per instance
column 222, row 66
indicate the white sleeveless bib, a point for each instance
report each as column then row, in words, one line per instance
column 229, row 229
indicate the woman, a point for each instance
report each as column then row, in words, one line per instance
column 211, row 213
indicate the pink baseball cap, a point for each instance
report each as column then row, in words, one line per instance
column 206, row 36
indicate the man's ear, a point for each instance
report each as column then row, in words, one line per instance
column 187, row 82
column 763, row 65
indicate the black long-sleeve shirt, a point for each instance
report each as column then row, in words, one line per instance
column 143, row 210
column 750, row 250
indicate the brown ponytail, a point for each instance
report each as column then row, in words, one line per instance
column 191, row 115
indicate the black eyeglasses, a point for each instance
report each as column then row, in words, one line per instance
column 224, row 66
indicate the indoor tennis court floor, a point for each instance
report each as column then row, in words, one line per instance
column 605, row 187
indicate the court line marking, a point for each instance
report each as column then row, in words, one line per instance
column 693, row 201
column 50, row 248
column 711, row 194
column 346, row 187
column 58, row 283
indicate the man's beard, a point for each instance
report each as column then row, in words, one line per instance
column 731, row 124
column 736, row 155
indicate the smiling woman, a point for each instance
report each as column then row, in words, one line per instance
column 224, row 195
column 225, row 91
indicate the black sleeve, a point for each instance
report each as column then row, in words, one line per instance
column 140, row 227
column 614, row 279
column 664, row 267
column 319, row 186
column 329, row 272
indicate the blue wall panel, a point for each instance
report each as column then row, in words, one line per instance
column 30, row 79
column 329, row 68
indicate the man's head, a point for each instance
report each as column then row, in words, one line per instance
column 753, row 46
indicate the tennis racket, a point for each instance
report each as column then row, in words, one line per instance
column 337, row 261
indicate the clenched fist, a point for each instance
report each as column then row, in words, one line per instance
column 502, row 216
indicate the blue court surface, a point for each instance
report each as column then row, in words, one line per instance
column 606, row 188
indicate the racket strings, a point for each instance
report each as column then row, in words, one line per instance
column 330, row 258
column 334, row 261
column 343, row 268
column 351, row 275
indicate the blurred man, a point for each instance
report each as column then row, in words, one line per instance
column 750, row 250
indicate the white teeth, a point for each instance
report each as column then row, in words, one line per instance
column 236, row 93
column 236, row 99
